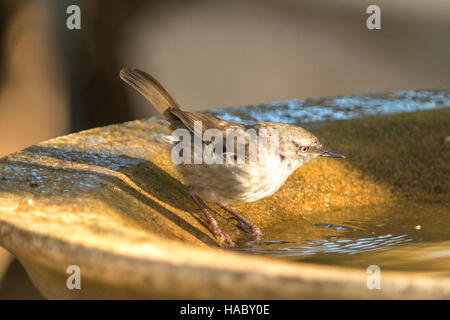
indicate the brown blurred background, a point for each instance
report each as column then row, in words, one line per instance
column 209, row 54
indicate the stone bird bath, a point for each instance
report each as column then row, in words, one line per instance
column 109, row 201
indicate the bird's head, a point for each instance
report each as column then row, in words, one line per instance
column 298, row 145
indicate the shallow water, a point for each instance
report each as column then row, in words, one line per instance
column 316, row 110
column 408, row 236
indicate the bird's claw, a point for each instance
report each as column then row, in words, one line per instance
column 224, row 239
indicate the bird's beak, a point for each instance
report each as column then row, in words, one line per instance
column 330, row 154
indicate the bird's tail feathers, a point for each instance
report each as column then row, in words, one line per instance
column 151, row 89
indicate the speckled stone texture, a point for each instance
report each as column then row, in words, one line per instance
column 109, row 201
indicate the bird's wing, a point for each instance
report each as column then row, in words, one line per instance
column 207, row 122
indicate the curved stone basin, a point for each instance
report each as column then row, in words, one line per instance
column 109, row 201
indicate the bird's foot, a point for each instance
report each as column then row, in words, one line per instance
column 250, row 227
column 224, row 239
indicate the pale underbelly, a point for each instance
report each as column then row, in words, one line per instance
column 233, row 183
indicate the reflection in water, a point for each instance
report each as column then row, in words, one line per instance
column 330, row 245
column 385, row 235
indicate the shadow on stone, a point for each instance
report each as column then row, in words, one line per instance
column 143, row 178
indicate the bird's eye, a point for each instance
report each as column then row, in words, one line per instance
column 304, row 149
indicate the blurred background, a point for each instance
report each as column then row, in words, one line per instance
column 209, row 54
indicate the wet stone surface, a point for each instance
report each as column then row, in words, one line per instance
column 304, row 111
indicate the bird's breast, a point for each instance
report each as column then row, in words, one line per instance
column 234, row 183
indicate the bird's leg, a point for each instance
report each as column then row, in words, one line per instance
column 209, row 219
column 254, row 230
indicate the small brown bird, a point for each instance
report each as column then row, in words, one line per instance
column 231, row 181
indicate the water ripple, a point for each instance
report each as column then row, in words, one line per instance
column 347, row 246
